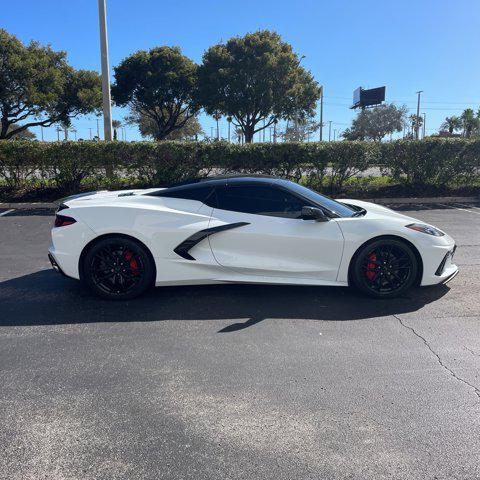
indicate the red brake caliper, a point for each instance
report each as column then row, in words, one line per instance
column 370, row 272
column 132, row 261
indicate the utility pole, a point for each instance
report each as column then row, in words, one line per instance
column 58, row 133
column 98, row 130
column 329, row 130
column 229, row 120
column 417, row 126
column 321, row 113
column 107, row 105
column 424, row 122
column 334, row 133
column 263, row 130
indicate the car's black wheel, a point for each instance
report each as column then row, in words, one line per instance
column 118, row 268
column 384, row 268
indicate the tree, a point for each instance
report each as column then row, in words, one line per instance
column 256, row 79
column 470, row 123
column 159, row 83
column 416, row 121
column 300, row 130
column 191, row 128
column 38, row 87
column 23, row 134
column 452, row 124
column 116, row 124
column 375, row 123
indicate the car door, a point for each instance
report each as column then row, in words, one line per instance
column 267, row 236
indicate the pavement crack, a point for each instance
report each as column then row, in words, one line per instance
column 437, row 356
column 472, row 352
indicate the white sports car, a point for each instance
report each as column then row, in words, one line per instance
column 252, row 229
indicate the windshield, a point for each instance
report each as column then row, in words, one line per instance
column 339, row 208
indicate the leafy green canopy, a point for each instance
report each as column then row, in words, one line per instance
column 375, row 123
column 254, row 78
column 38, row 87
column 161, row 84
column 190, row 130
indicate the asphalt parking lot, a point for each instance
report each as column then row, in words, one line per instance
column 237, row 382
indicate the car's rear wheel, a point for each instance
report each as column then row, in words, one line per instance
column 118, row 268
column 385, row 268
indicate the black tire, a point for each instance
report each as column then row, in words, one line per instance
column 118, row 268
column 384, row 268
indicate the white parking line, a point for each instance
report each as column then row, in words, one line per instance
column 7, row 212
column 469, row 206
column 458, row 208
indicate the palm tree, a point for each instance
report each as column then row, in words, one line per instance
column 229, row 120
column 217, row 116
column 116, row 124
column 470, row 122
column 452, row 124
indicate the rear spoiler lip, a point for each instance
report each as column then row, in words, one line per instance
column 80, row 195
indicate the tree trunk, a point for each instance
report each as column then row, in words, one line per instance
column 4, row 128
column 248, row 132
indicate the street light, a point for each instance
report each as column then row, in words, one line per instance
column 417, row 126
column 107, row 106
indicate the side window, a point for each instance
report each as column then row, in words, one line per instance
column 188, row 193
column 260, row 200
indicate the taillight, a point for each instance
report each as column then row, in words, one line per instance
column 63, row 221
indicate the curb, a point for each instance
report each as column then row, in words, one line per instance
column 29, row 206
column 422, row 200
column 382, row 201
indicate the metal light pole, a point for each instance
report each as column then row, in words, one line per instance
column 98, row 130
column 417, row 126
column 329, row 130
column 321, row 113
column 107, row 106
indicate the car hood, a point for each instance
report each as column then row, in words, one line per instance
column 374, row 209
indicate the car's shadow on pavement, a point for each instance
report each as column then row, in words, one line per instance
column 46, row 298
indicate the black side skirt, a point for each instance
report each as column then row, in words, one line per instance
column 197, row 237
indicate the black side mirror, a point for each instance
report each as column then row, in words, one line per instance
column 313, row 213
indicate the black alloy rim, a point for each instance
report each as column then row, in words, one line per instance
column 386, row 269
column 117, row 269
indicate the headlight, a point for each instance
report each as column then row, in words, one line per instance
column 428, row 229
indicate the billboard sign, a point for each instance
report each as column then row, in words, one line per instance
column 368, row 98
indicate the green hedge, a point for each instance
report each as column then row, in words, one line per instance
column 65, row 165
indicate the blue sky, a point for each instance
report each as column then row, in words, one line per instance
column 429, row 45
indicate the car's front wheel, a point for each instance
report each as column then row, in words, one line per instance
column 118, row 268
column 384, row 268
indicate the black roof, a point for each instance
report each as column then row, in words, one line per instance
column 228, row 180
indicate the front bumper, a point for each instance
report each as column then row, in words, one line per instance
column 439, row 266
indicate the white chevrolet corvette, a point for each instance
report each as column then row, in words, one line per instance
column 243, row 229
